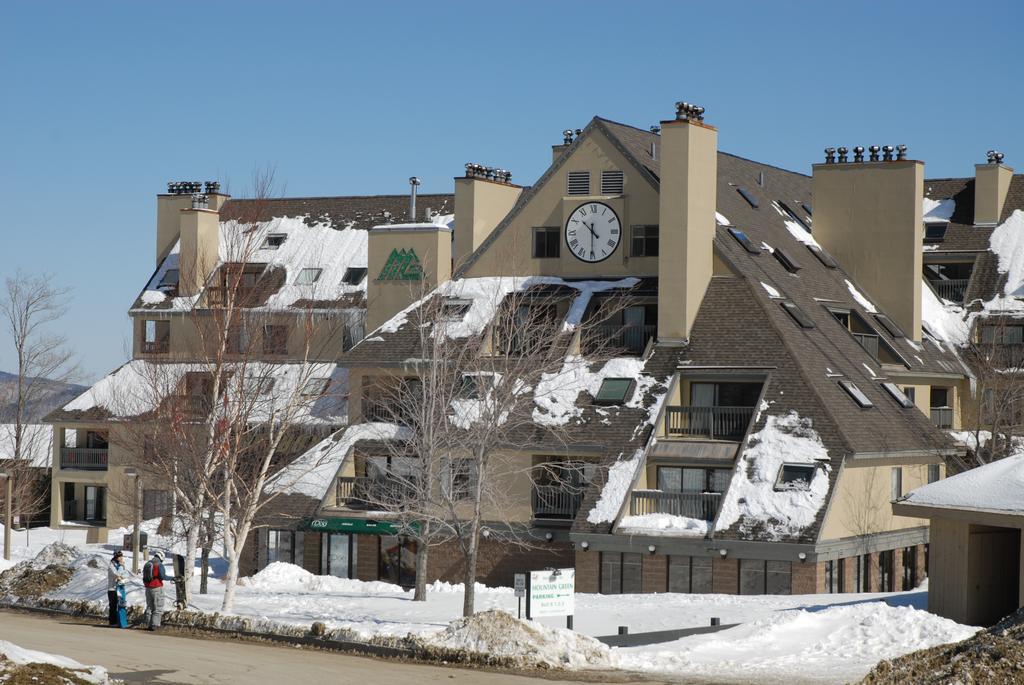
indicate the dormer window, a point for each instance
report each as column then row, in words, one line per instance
column 795, row 476
column 169, row 280
column 612, row 182
column 614, row 390
column 354, row 275
column 274, row 241
column 454, row 310
column 935, row 232
column 578, row 183
column 308, row 276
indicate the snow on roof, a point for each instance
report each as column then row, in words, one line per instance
column 935, row 211
column 752, row 497
column 139, row 386
column 313, row 472
column 945, row 319
column 860, row 299
column 1007, row 243
column 36, row 443
column 620, row 478
column 664, row 524
column 722, row 220
column 997, row 486
column 800, row 233
column 557, row 392
column 319, row 246
column 772, row 292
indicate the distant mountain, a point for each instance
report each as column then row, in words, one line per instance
column 53, row 395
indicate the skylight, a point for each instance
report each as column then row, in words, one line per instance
column 795, row 476
column 793, row 215
column 790, row 264
column 823, row 256
column 743, row 240
column 308, row 276
column 798, row 314
column 935, row 232
column 889, row 325
column 807, row 208
column 614, row 390
column 274, row 241
column 454, row 310
column 898, row 395
column 354, row 275
column 751, row 200
column 857, row 394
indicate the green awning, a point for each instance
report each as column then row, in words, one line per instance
column 349, row 525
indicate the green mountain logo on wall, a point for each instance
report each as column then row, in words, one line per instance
column 402, row 265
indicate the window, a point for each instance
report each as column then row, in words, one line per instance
column 911, row 393
column 759, row 577
column 743, row 240
column 280, row 546
column 898, row 395
column 830, row 576
column 909, row 568
column 795, row 476
column 578, row 183
column 611, row 182
column 621, row 573
column 823, row 256
column 896, row 483
column 644, row 242
column 274, row 241
column 807, row 208
column 547, row 242
column 454, row 310
column 469, row 388
column 156, row 337
column 460, row 480
column 885, row 571
column 689, row 574
column 169, row 279
column 338, row 555
column 95, row 501
column 857, row 394
column 751, row 200
column 798, row 314
column 308, row 276
column 354, row 275
column 934, row 473
column 1007, row 334
column 935, row 233
column 275, row 339
column 614, row 390
column 314, row 387
column 889, row 325
column 793, row 215
column 787, row 262
column 155, row 503
column 238, row 339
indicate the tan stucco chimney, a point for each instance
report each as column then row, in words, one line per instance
column 991, row 181
column 170, row 204
column 869, row 216
column 482, row 200
column 687, row 203
column 404, row 261
column 200, row 237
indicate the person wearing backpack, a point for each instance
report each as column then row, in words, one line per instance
column 153, row 576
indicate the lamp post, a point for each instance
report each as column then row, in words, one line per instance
column 134, row 474
column 8, row 496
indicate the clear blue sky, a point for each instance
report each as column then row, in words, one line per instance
column 102, row 103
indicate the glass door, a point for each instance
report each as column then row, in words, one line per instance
column 703, row 398
column 338, row 555
column 94, row 503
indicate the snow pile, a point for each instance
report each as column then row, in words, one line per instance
column 772, row 292
column 944, row 319
column 312, row 473
column 997, row 486
column 936, row 211
column 800, row 233
column 152, row 297
column 1007, row 243
column 16, row 665
column 56, row 553
column 282, row 576
column 498, row 636
column 752, row 498
column 792, row 646
column 557, row 392
column 667, row 524
column 620, row 478
column 860, row 299
column 722, row 219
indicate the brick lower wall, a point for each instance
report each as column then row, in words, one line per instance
column 922, row 572
column 849, row 574
column 497, row 562
column 725, row 576
column 654, row 573
column 874, row 579
column 806, row 577
column 588, row 571
column 367, row 553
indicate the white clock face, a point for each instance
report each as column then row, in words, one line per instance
column 592, row 232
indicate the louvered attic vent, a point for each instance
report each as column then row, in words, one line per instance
column 751, row 200
column 578, row 183
column 611, row 182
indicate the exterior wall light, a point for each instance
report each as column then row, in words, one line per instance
column 549, row 536
column 724, row 552
column 651, row 548
column 802, row 556
column 585, row 545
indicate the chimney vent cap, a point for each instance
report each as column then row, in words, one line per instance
column 842, row 154
column 995, row 157
column 858, row 153
column 656, row 130
column 901, row 152
column 830, row 155
column 686, row 111
column 567, row 136
column 414, row 180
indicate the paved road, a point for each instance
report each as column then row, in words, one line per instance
column 136, row 656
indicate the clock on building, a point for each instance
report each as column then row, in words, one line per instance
column 593, row 232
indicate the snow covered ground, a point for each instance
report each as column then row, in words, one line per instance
column 792, row 639
column 19, row 656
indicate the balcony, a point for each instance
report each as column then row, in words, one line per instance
column 951, row 289
column 716, row 423
column 373, row 493
column 942, row 417
column 188, row 406
column 869, row 341
column 83, row 458
column 555, row 502
column 695, row 505
column 156, row 346
column 632, row 339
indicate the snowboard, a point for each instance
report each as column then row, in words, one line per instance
column 122, row 607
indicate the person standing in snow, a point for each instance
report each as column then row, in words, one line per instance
column 153, row 576
column 116, row 573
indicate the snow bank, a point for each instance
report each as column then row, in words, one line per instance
column 556, row 393
column 20, row 656
column 620, row 478
column 497, row 635
column 665, row 524
column 834, row 645
column 282, row 576
column 752, row 496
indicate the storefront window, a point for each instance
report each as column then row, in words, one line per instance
column 398, row 560
column 338, row 555
column 280, row 546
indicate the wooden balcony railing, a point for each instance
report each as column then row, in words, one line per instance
column 717, row 423
column 631, row 339
column 869, row 341
column 156, row 346
column 373, row 493
column 555, row 502
column 696, row 505
column 951, row 289
column 83, row 458
column 942, row 417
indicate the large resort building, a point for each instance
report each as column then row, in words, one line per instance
column 792, row 353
